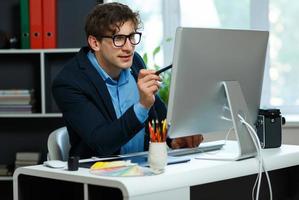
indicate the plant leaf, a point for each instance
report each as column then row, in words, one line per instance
column 168, row 39
column 145, row 58
column 156, row 50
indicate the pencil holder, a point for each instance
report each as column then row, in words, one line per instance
column 157, row 156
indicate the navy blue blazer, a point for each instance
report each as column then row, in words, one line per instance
column 88, row 112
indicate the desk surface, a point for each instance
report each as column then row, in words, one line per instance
column 176, row 176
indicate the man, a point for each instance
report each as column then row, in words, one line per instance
column 105, row 94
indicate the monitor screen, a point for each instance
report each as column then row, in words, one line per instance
column 217, row 75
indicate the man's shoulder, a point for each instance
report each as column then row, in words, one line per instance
column 76, row 62
column 70, row 70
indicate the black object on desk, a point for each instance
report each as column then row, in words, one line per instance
column 268, row 125
column 73, row 163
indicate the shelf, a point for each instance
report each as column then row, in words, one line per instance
column 35, row 69
column 20, row 51
column 33, row 115
column 6, row 178
column 30, row 69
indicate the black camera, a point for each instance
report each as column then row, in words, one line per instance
column 268, row 125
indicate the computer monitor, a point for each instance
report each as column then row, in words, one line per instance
column 217, row 75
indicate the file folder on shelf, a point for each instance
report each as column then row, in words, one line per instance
column 24, row 14
column 35, row 18
column 49, row 23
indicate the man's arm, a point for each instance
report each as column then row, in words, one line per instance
column 148, row 86
column 91, row 120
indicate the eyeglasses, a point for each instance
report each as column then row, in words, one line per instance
column 120, row 40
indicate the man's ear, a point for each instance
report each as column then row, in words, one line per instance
column 94, row 43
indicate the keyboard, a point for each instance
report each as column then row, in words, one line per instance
column 141, row 159
column 196, row 150
column 173, row 155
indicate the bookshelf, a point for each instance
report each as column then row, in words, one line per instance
column 30, row 69
column 35, row 69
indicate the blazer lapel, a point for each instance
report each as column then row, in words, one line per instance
column 97, row 81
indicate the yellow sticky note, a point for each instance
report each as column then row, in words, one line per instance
column 112, row 164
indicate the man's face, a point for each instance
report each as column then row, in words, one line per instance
column 114, row 59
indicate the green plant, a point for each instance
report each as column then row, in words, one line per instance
column 164, row 90
column 166, row 76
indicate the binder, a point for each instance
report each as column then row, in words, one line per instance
column 49, row 24
column 24, row 14
column 35, row 18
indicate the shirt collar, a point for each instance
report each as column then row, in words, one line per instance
column 124, row 75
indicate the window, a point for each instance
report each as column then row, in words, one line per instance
column 215, row 13
column 161, row 17
column 277, row 16
column 284, row 63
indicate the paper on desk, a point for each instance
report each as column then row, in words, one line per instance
column 110, row 164
column 119, row 168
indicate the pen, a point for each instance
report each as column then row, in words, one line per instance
column 163, row 69
column 157, row 130
column 152, row 134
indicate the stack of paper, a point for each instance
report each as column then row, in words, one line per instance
column 119, row 168
column 26, row 159
column 4, row 171
column 16, row 101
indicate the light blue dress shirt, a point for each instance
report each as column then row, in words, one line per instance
column 124, row 93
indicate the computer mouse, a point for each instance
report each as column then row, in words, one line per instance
column 55, row 163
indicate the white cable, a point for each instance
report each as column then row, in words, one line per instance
column 254, row 186
column 259, row 177
column 227, row 134
column 262, row 167
column 225, row 139
column 257, row 185
column 253, row 132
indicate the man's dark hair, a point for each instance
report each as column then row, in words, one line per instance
column 106, row 19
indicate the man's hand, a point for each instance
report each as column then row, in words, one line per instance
column 147, row 85
column 186, row 142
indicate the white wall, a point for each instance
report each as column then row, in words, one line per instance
column 290, row 135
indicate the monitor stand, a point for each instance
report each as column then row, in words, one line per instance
column 238, row 106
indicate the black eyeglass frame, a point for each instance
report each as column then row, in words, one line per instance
column 113, row 37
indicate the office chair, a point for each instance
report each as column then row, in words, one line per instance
column 58, row 145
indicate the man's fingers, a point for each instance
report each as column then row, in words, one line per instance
column 175, row 144
column 179, row 143
column 150, row 88
column 193, row 141
column 150, row 77
column 196, row 140
column 145, row 72
column 147, row 85
column 189, row 141
column 151, row 83
column 201, row 138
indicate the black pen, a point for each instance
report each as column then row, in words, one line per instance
column 163, row 69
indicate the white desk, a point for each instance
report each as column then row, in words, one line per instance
column 173, row 184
